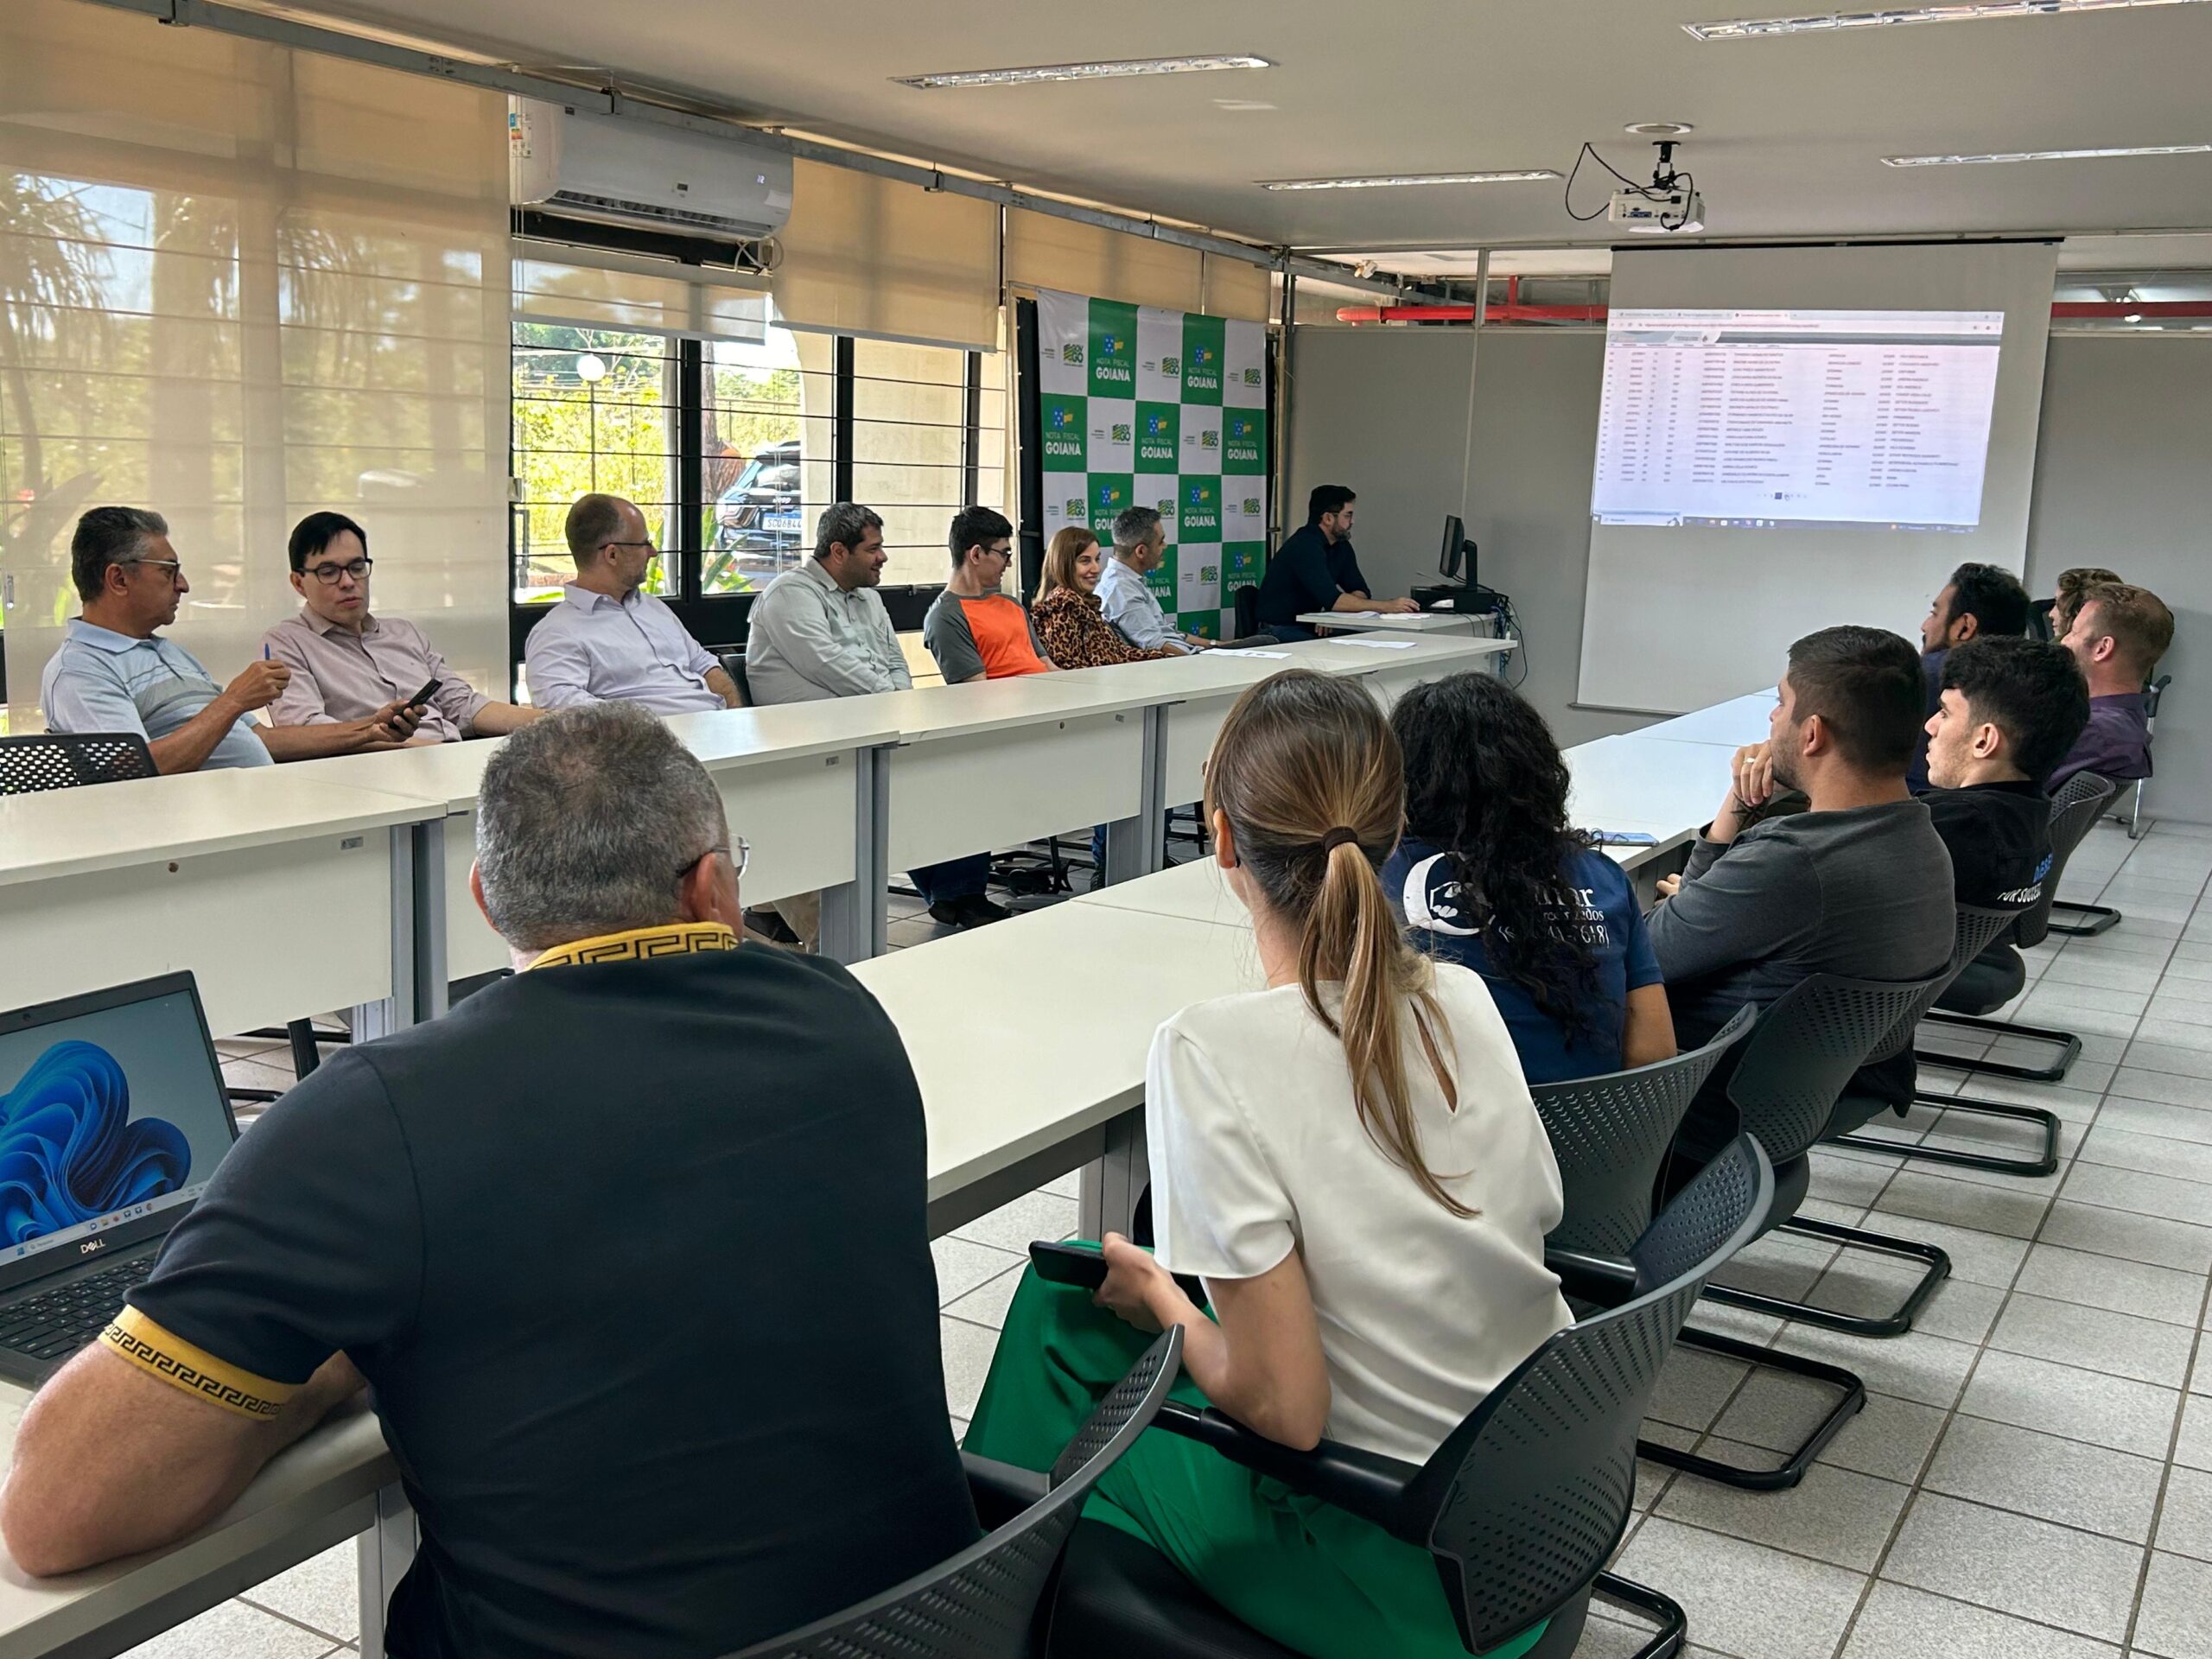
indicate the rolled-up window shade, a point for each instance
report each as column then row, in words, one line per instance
column 586, row 288
column 1236, row 288
column 240, row 284
column 867, row 256
column 1043, row 251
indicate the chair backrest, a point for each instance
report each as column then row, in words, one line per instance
column 2151, row 693
column 1522, row 1506
column 1807, row 1045
column 1975, row 930
column 1247, row 602
column 981, row 1603
column 44, row 761
column 1609, row 1134
column 734, row 665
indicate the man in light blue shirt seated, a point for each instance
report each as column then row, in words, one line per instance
column 609, row 641
column 114, row 674
column 1139, row 546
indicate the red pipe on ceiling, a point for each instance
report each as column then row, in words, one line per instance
column 1513, row 311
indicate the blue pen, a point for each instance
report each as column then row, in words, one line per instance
column 264, row 653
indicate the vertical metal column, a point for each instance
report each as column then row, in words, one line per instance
column 1138, row 845
column 855, row 914
column 431, row 973
column 379, row 1018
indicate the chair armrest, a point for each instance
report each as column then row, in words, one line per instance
column 1002, row 1490
column 1366, row 1484
column 1606, row 1281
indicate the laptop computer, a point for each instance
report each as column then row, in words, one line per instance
column 112, row 1117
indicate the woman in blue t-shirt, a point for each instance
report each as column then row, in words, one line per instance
column 1490, row 875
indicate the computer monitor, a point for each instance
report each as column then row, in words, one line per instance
column 112, row 1117
column 1457, row 549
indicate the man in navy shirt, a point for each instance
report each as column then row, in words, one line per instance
column 1316, row 569
column 1980, row 601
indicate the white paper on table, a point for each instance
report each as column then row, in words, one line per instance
column 1375, row 645
column 1233, row 652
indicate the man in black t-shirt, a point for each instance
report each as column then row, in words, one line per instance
column 2007, row 711
column 1316, row 569
column 631, row 1248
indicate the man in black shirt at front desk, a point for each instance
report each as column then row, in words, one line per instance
column 631, row 1248
column 1315, row 570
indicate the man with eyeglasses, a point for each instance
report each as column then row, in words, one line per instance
column 631, row 1248
column 114, row 672
column 608, row 640
column 347, row 663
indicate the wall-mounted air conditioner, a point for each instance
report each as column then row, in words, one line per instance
column 612, row 171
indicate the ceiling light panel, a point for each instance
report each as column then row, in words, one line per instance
column 1399, row 181
column 1109, row 71
column 1750, row 28
column 2045, row 156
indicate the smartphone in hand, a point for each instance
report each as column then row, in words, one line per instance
column 421, row 699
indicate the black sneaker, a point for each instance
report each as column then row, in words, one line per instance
column 976, row 910
column 948, row 912
column 770, row 925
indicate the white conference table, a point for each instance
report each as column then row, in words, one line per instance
column 1453, row 622
column 1733, row 724
column 285, row 894
column 794, row 780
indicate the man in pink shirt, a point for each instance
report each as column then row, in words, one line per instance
column 346, row 663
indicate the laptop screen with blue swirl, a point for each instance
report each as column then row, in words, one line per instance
column 112, row 1112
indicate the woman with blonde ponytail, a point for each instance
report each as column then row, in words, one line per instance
column 1349, row 1160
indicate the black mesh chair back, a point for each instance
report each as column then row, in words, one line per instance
column 1977, row 929
column 1807, row 1045
column 1526, row 1500
column 981, row 1604
column 2077, row 804
column 45, row 760
column 2153, row 692
column 1609, row 1133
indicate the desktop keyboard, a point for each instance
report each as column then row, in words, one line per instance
column 56, row 1324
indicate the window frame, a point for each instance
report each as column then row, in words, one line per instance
column 721, row 621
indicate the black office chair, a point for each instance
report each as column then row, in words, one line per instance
column 2101, row 917
column 2078, row 802
column 1785, row 1086
column 1246, row 601
column 983, row 1603
column 1520, row 1507
column 732, row 664
column 2151, row 694
column 40, row 761
column 1980, row 931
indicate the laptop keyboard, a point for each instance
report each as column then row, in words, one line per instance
column 57, row 1323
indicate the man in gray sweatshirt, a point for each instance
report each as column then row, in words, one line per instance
column 1857, row 884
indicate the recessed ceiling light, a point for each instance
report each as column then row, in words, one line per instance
column 1658, row 129
column 1970, row 11
column 2045, row 156
column 1396, row 180
column 1109, row 71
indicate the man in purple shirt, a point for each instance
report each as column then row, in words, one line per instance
column 347, row 664
column 2119, row 633
column 607, row 640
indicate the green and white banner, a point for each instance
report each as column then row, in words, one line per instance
column 1166, row 409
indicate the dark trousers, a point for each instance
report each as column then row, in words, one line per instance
column 957, row 878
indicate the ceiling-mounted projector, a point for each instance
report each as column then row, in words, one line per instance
column 1668, row 205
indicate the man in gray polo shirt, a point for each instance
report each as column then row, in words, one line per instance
column 115, row 673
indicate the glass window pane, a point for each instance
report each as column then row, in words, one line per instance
column 594, row 409
column 768, row 433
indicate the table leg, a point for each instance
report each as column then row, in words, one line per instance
column 1112, row 1185
column 386, row 1550
column 855, row 914
column 1138, row 845
column 388, row 1014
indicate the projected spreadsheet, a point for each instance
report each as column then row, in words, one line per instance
column 1795, row 419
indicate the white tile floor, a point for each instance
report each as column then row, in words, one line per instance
column 2032, row 1476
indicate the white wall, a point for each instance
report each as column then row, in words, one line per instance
column 2124, row 478
column 1385, row 411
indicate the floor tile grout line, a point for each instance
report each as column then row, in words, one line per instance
column 2165, row 1477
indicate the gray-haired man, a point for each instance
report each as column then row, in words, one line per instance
column 598, row 1242
column 1140, row 548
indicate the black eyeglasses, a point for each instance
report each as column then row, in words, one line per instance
column 327, row 575
column 174, row 566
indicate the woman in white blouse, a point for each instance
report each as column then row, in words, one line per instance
column 1350, row 1161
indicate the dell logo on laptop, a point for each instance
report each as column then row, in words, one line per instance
column 91, row 1245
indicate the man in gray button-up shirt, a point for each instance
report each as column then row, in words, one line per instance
column 821, row 631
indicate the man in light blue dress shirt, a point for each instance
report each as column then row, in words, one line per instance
column 114, row 674
column 1140, row 545
column 609, row 641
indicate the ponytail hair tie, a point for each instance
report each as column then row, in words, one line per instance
column 1336, row 837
